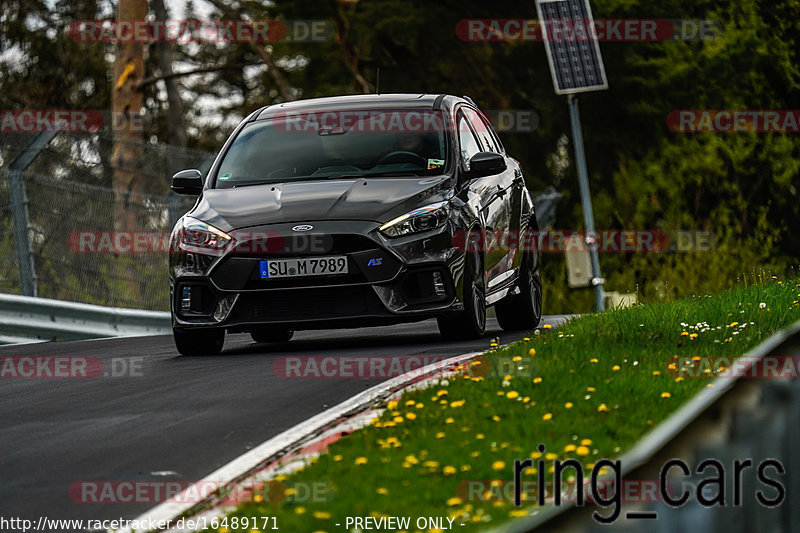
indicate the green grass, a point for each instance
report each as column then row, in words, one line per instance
column 618, row 360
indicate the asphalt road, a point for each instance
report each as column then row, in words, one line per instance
column 175, row 418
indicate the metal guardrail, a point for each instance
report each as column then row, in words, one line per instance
column 42, row 318
column 732, row 419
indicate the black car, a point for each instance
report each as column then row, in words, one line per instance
column 354, row 211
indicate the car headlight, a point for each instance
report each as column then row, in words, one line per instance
column 193, row 235
column 419, row 220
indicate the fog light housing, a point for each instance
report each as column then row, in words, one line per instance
column 438, row 284
column 186, row 299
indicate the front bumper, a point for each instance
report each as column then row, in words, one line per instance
column 388, row 281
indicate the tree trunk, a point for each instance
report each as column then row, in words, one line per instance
column 176, row 132
column 126, row 105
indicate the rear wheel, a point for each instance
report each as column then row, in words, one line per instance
column 471, row 322
column 523, row 310
column 272, row 335
column 199, row 342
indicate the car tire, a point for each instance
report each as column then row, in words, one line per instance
column 471, row 322
column 199, row 342
column 266, row 335
column 523, row 311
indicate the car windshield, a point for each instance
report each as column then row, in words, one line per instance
column 303, row 148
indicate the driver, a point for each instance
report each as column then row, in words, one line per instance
column 409, row 142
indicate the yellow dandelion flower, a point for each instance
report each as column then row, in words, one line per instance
column 496, row 418
column 449, row 420
column 531, row 352
column 440, row 435
column 602, row 408
column 615, row 368
column 516, row 358
column 300, row 510
column 454, row 501
column 568, row 405
column 480, row 436
column 419, row 405
column 656, row 373
column 693, row 336
column 551, row 456
column 392, row 405
column 582, row 450
column 360, row 461
column 516, row 513
column 547, row 416
column 586, row 442
column 590, row 389
column 593, row 360
column 411, row 416
column 498, row 465
column 449, row 470
column 569, row 448
column 537, row 380
column 382, row 491
column 684, row 333
column 512, row 394
column 322, row 515
column 547, row 326
column 665, row 395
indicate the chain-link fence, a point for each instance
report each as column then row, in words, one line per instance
column 61, row 234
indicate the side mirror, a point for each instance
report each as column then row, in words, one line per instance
column 187, row 182
column 486, row 164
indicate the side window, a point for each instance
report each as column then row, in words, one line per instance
column 483, row 129
column 467, row 141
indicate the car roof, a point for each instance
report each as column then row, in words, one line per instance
column 357, row 102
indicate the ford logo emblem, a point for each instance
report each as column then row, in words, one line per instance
column 303, row 227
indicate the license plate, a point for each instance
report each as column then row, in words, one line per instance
column 303, row 266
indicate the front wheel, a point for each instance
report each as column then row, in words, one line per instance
column 199, row 342
column 471, row 322
column 523, row 311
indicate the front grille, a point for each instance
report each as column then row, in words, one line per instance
column 300, row 245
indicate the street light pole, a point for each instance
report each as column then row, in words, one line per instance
column 586, row 201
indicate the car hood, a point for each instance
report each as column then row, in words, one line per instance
column 376, row 199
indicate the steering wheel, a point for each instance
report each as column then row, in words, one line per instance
column 411, row 157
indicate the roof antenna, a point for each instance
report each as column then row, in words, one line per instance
column 378, row 81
